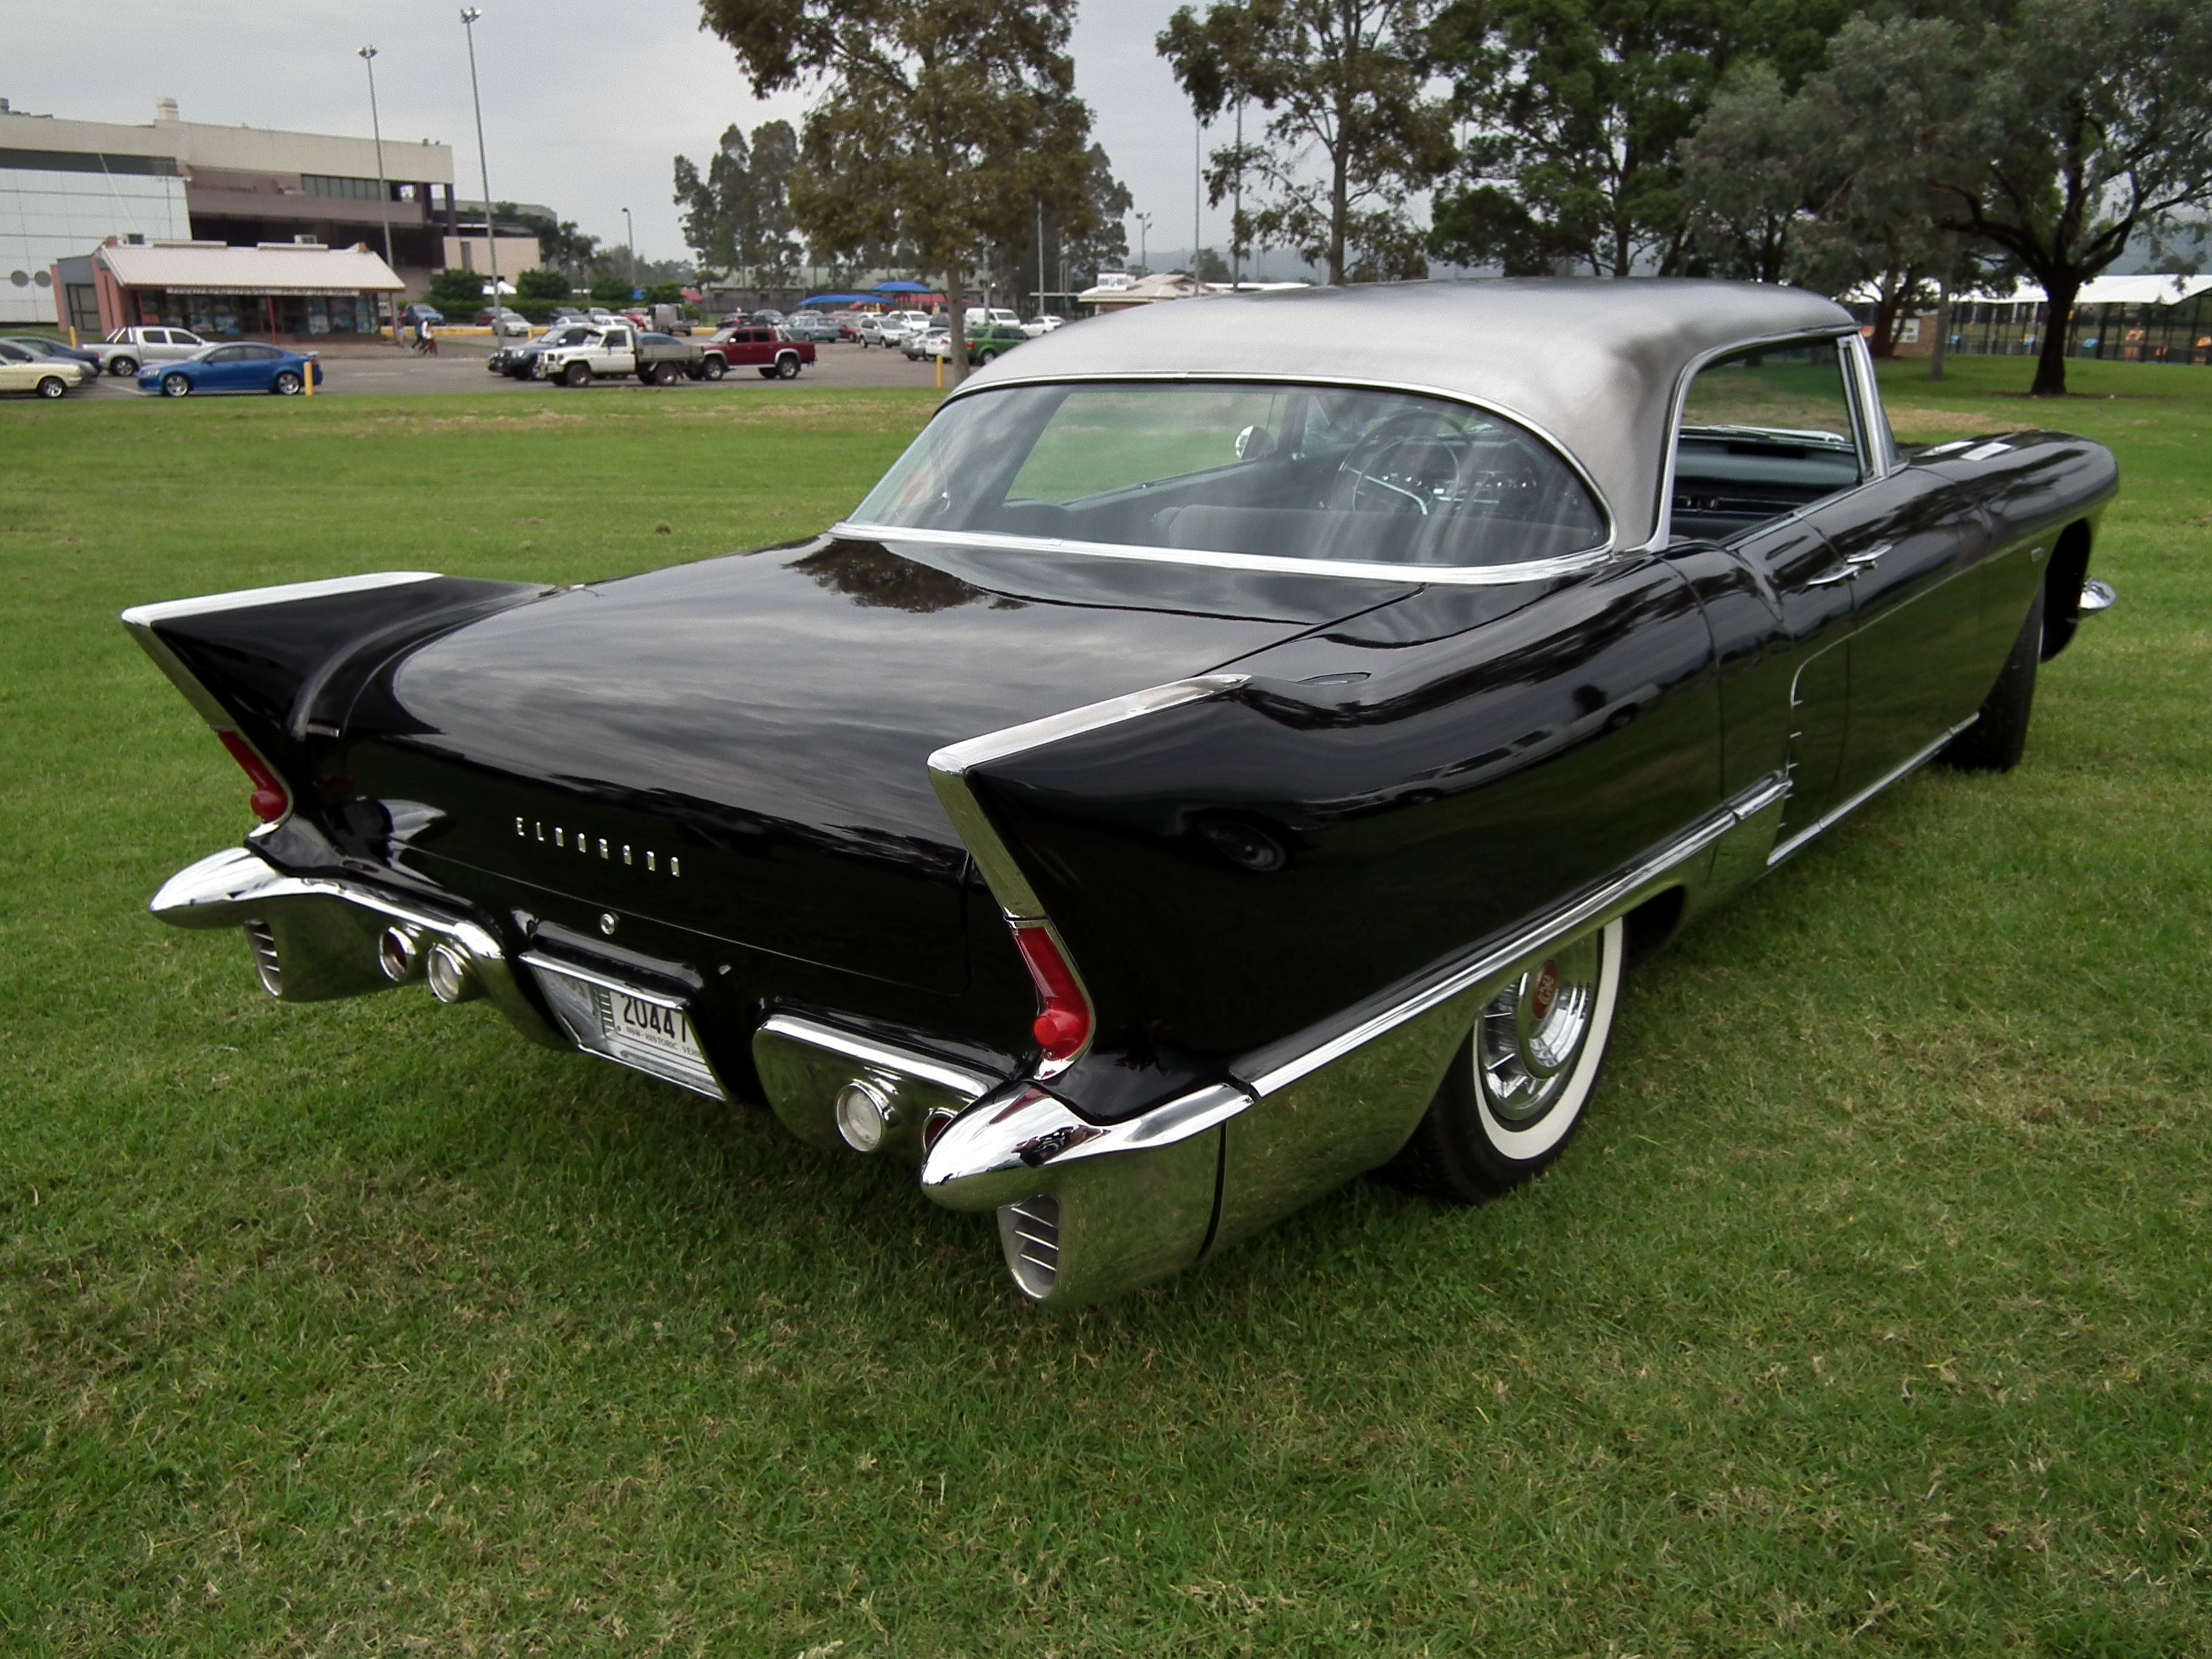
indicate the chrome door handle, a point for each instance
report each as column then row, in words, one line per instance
column 1841, row 573
column 1871, row 556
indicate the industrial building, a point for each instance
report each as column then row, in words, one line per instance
column 67, row 187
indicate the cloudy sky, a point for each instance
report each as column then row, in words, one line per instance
column 585, row 105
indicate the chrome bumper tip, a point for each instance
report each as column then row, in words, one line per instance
column 2097, row 596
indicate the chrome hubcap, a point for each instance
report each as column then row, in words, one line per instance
column 1531, row 1034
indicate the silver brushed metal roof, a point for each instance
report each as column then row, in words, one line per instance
column 1592, row 364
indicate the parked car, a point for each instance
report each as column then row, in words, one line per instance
column 1037, row 326
column 846, row 323
column 981, row 317
column 503, row 321
column 809, row 327
column 239, row 366
column 762, row 316
column 883, row 330
column 935, row 341
column 126, row 350
column 1329, row 753
column 753, row 346
column 993, row 341
column 40, row 346
column 518, row 361
column 420, row 312
column 24, row 370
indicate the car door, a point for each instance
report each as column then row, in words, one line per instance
column 222, row 369
column 620, row 354
column 19, row 370
column 1764, row 435
column 1915, row 542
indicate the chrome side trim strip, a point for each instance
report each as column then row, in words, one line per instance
column 949, row 765
column 1834, row 813
column 250, row 599
column 867, row 1051
column 1695, row 839
column 1496, row 575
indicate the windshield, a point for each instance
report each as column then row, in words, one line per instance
column 1300, row 472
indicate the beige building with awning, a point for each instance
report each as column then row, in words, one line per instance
column 277, row 290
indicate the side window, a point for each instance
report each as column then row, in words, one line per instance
column 227, row 354
column 1764, row 432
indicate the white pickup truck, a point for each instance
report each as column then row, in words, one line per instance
column 126, row 350
column 607, row 354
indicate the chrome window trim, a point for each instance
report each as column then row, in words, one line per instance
column 1604, row 549
column 1493, row 575
column 1880, row 441
column 1663, row 518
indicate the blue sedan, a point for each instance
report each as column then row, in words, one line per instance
column 241, row 366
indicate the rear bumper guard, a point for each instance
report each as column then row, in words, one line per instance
column 316, row 938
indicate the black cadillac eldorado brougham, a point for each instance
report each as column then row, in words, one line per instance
column 1216, row 760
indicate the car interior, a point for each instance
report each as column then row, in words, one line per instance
column 1763, row 432
column 1364, row 476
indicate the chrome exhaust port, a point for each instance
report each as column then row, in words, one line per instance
column 399, row 954
column 452, row 973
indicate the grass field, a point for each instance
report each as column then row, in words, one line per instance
column 1869, row 1314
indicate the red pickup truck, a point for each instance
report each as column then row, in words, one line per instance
column 754, row 345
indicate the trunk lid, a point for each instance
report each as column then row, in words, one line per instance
column 739, row 747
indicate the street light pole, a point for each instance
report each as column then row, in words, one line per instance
column 1144, row 233
column 629, row 247
column 1197, row 171
column 368, row 56
column 469, row 16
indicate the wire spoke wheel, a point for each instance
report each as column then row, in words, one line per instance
column 1517, row 1087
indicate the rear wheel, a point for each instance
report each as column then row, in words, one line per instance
column 669, row 374
column 123, row 367
column 576, row 374
column 286, row 385
column 786, row 367
column 51, row 386
column 1998, row 737
column 176, row 386
column 1518, row 1085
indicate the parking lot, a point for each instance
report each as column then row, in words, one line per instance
column 460, row 367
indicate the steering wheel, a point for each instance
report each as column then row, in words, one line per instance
column 1366, row 470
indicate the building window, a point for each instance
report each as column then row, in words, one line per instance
column 351, row 190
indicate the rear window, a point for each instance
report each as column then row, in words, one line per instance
column 1298, row 473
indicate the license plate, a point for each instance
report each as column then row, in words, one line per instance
column 631, row 1023
column 650, row 1034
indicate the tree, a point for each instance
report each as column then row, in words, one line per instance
column 609, row 289
column 456, row 289
column 1344, row 81
column 539, row 284
column 560, row 244
column 738, row 215
column 2089, row 119
column 938, row 128
column 1745, row 178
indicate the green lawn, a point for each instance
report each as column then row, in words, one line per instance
column 1868, row 1313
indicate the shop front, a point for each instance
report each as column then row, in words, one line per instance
column 276, row 291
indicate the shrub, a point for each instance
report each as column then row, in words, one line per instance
column 456, row 290
column 539, row 284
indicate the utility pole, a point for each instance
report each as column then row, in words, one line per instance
column 1040, row 256
column 469, row 16
column 629, row 248
column 1197, row 172
column 1236, row 208
column 1143, row 233
column 368, row 56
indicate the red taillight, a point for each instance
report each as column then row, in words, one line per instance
column 270, row 801
column 1064, row 1025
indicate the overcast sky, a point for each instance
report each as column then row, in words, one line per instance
column 585, row 105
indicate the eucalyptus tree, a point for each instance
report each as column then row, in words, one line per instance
column 939, row 127
column 737, row 214
column 1351, row 132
